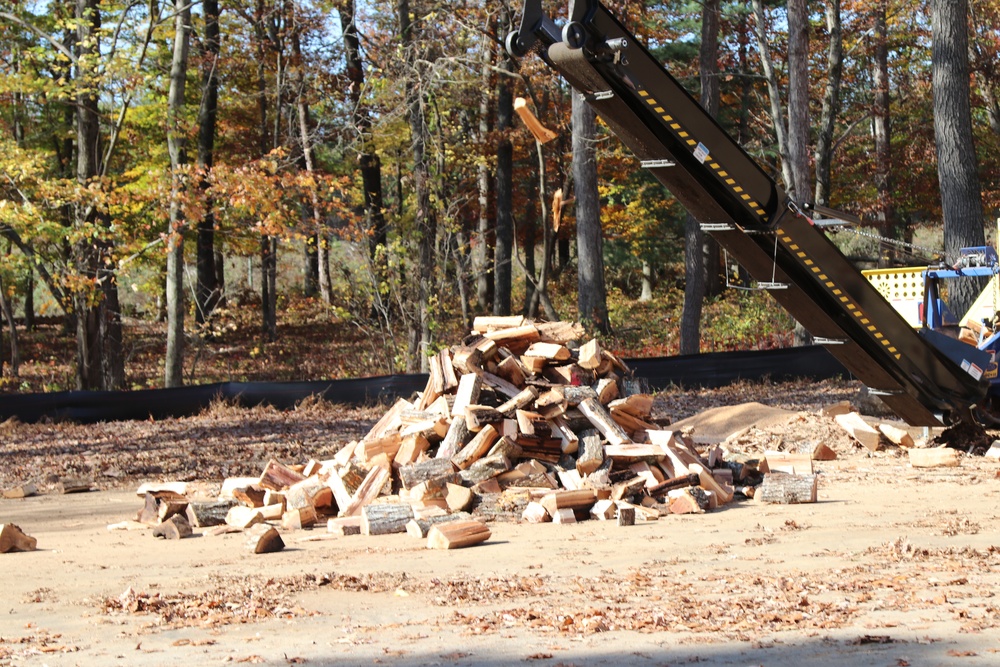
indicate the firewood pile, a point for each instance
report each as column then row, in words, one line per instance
column 518, row 422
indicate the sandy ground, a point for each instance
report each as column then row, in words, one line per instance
column 893, row 566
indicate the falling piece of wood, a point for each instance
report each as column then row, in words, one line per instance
column 934, row 457
column 12, row 538
column 897, row 436
column 784, row 489
column 264, row 539
column 457, row 534
column 541, row 133
column 176, row 527
column 859, row 429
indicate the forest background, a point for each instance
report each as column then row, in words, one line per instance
column 308, row 189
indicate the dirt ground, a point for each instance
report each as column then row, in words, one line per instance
column 894, row 566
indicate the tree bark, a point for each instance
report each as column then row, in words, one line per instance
column 504, row 251
column 482, row 247
column 883, row 136
column 207, row 292
column 173, row 375
column 961, row 199
column 798, row 97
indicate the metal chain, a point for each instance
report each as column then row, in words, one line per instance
column 901, row 244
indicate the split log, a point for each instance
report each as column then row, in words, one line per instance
column 628, row 488
column 818, row 451
column 479, row 416
column 485, row 323
column 149, row 514
column 157, row 488
column 457, row 534
column 570, row 441
column 20, row 491
column 277, row 476
column 297, row 519
column 231, row 484
column 458, row 434
column 515, row 339
column 591, row 452
column 570, row 479
column 12, row 538
column 370, row 489
column 251, row 496
column 722, row 491
column 368, row 449
column 859, row 429
column 574, row 395
column 505, row 447
column 469, row 387
column 794, row 463
column 467, row 360
column 175, row 528
column 597, row 415
column 264, row 539
column 271, row 512
column 389, row 421
column 535, row 513
column 934, row 457
column 523, row 398
column 243, row 517
column 590, row 355
column 499, row 384
column 607, row 390
column 512, row 371
column 410, row 449
column 73, row 485
column 604, row 510
column 344, row 525
column 384, row 519
column 634, row 452
column 785, row 489
column 485, row 469
column 449, row 381
column 579, row 499
column 673, row 483
column 418, row 527
column 171, row 507
column 687, row 501
column 626, row 515
column 458, row 497
column 895, row 435
column 433, row 469
column 476, row 448
column 564, row 515
column 202, row 514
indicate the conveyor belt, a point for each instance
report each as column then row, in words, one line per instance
column 752, row 217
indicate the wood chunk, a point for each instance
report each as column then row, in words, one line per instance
column 175, row 528
column 685, row 501
column 579, row 499
column 897, row 436
column 169, row 508
column 458, row 497
column 419, row 527
column 485, row 469
column 251, row 496
column 603, row 510
column 795, row 463
column 467, row 360
column 590, row 355
column 597, row 415
column 591, row 452
column 934, row 457
column 433, row 469
column 449, row 380
column 20, row 491
column 488, row 349
column 277, row 476
column 410, row 449
column 457, row 534
column 264, row 539
column 534, row 365
column 575, row 394
column 310, row 493
column 345, row 454
column 485, row 323
column 73, row 485
column 859, row 429
column 476, row 448
column 12, row 539
column 469, row 387
column 370, row 489
column 490, row 485
column 840, row 408
column 458, row 434
column 202, row 514
column 570, row 479
column 634, row 452
column 628, row 488
column 512, row 371
column 149, row 514
column 515, row 339
column 625, row 515
column 297, row 519
column 536, row 513
column 344, row 525
column 478, row 416
column 993, row 452
column 560, row 332
column 564, row 515
column 722, row 491
column 367, row 450
column 385, row 519
column 818, row 451
column 497, row 383
column 523, row 399
column 388, row 422
column 157, row 488
column 505, row 447
column 785, row 489
column 607, row 390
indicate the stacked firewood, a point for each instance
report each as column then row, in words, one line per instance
column 518, row 421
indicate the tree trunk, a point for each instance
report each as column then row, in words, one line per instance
column 591, row 296
column 773, row 93
column 798, row 97
column 831, row 103
column 883, row 136
column 207, row 292
column 698, row 247
column 268, row 245
column 100, row 364
column 961, row 199
column 8, row 314
column 482, row 247
column 173, row 375
column 504, row 252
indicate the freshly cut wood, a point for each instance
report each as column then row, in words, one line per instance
column 628, row 488
column 384, row 519
column 485, row 469
column 579, row 499
column 684, row 501
column 478, row 416
column 476, row 448
column 818, row 451
column 277, row 476
column 458, row 497
column 603, row 510
column 549, row 351
column 458, row 434
column 74, row 485
column 469, row 387
column 297, row 519
column 564, row 515
column 896, row 435
column 369, row 490
column 512, row 371
column 560, row 332
column 149, row 514
column 12, row 538
column 630, row 423
column 607, row 390
column 994, row 451
column 535, row 512
column 344, row 525
column 312, row 492
column 271, row 512
column 449, row 381
column 515, row 339
column 467, row 360
column 20, row 491
column 341, row 494
column 859, row 429
column 934, row 457
column 429, row 490
column 840, row 408
column 709, row 483
column 243, row 517
column 488, row 349
column 597, row 415
column 523, row 398
column 795, row 463
column 506, row 447
column 156, row 488
column 175, row 528
column 575, row 394
column 432, row 469
column 591, row 452
column 346, row 453
column 680, row 482
column 625, row 515
column 785, row 489
column 485, row 323
column 634, row 452
column 202, row 514
column 532, row 424
column 457, row 534
column 251, row 496
column 264, row 539
column 570, row 479
column 410, row 449
column 368, row 449
column 590, row 355
column 570, row 441
column 419, row 527
column 168, row 508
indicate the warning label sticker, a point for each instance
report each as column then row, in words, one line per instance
column 701, row 152
column 972, row 369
